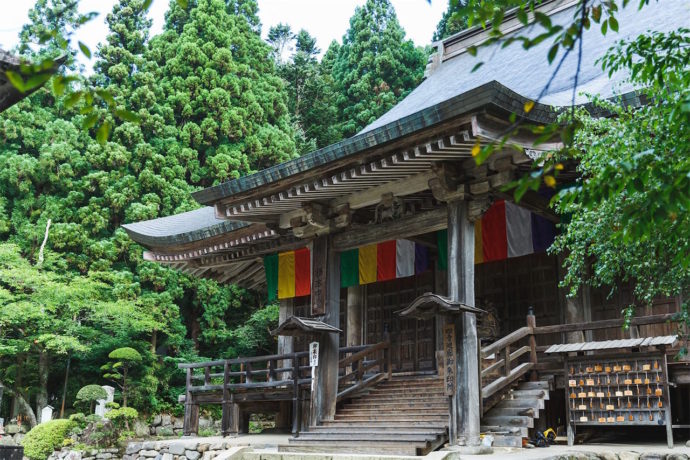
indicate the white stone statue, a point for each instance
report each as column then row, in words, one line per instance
column 101, row 409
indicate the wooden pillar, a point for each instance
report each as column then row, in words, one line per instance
column 285, row 343
column 461, row 287
column 354, row 316
column 576, row 309
column 325, row 384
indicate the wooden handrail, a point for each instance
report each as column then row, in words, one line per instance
column 362, row 354
column 505, row 341
column 603, row 324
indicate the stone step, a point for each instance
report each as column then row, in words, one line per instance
column 541, row 385
column 529, row 394
column 380, row 437
column 507, row 441
column 509, row 421
column 386, row 423
column 385, row 397
column 379, row 429
column 536, row 404
column 397, row 410
column 512, row 411
column 506, row 430
column 374, row 405
column 331, row 447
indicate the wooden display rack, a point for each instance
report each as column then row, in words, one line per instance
column 618, row 390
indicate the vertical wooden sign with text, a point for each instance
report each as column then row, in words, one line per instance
column 319, row 276
column 449, row 359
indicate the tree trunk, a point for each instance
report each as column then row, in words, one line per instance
column 124, row 387
column 42, row 393
column 14, row 410
column 64, row 388
column 22, row 406
column 154, row 340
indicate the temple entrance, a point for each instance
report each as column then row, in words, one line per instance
column 412, row 341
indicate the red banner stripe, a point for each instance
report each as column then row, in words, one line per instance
column 302, row 272
column 494, row 232
column 385, row 261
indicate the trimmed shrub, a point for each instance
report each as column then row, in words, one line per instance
column 43, row 439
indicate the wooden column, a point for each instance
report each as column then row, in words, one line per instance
column 467, row 413
column 325, row 385
column 354, row 316
column 576, row 309
column 285, row 343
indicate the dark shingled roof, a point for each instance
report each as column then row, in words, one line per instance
column 181, row 228
column 453, row 89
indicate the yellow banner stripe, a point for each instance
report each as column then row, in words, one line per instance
column 367, row 264
column 286, row 275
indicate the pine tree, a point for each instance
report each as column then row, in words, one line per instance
column 451, row 22
column 222, row 93
column 376, row 67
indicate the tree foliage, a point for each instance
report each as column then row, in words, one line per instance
column 452, row 21
column 375, row 66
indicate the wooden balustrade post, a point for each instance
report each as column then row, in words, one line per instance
column 272, row 370
column 296, row 406
column 226, row 418
column 532, row 323
column 207, row 375
column 248, row 373
column 506, row 361
column 191, row 410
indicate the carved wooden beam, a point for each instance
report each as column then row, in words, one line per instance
column 362, row 235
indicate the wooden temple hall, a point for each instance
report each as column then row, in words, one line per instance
column 418, row 304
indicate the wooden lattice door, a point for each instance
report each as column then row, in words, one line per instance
column 412, row 341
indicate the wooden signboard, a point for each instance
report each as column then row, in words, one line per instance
column 449, row 359
column 318, row 276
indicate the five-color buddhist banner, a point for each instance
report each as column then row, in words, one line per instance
column 506, row 230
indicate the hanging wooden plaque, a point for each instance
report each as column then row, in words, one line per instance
column 319, row 276
column 449, row 364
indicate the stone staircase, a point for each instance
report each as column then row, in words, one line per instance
column 401, row 416
column 511, row 418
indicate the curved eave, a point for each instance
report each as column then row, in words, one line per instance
column 180, row 229
column 491, row 94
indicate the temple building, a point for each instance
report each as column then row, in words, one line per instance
column 418, row 304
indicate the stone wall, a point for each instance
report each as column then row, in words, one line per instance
column 169, row 425
column 182, row 449
column 13, row 434
column 88, row 454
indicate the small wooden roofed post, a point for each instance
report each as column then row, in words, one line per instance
column 430, row 305
column 296, row 326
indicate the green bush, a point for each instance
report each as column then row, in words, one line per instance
column 43, row 439
column 122, row 416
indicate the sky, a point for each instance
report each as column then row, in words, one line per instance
column 327, row 20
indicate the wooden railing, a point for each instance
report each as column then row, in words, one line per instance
column 362, row 366
column 517, row 353
column 285, row 373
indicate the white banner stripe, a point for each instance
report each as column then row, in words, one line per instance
column 404, row 258
column 518, row 230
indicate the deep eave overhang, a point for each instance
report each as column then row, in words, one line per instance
column 492, row 95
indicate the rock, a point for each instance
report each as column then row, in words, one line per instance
column 148, row 453
column 156, row 420
column 141, row 429
column 652, row 456
column 12, row 429
column 176, row 449
column 133, row 448
column 203, row 447
column 607, row 456
column 628, row 455
column 205, row 423
column 148, row 445
column 209, row 455
column 676, row 456
column 112, row 450
column 73, row 455
column 164, row 430
column 167, row 457
column 217, row 446
column 7, row 441
column 104, row 456
column 192, row 454
column 179, row 424
column 687, row 444
column 166, row 419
